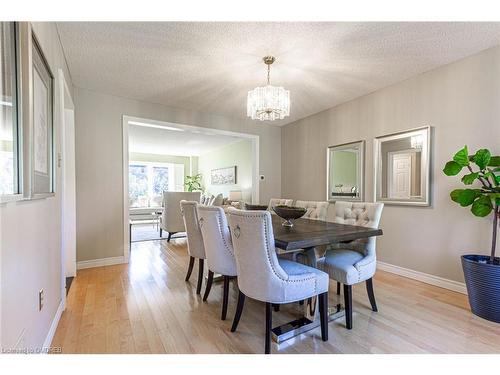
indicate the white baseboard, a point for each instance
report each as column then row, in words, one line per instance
column 53, row 326
column 423, row 277
column 100, row 262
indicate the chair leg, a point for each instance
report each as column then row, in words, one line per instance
column 170, row 236
column 225, row 297
column 348, row 305
column 269, row 322
column 276, row 307
column 200, row 275
column 239, row 310
column 208, row 287
column 371, row 295
column 338, row 288
column 323, row 313
column 161, row 232
column 190, row 268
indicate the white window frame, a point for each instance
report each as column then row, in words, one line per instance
column 150, row 165
column 18, row 193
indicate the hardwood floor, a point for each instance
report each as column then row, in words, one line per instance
column 147, row 307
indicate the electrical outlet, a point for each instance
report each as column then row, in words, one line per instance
column 40, row 300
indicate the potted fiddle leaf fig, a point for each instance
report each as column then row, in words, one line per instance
column 193, row 183
column 482, row 194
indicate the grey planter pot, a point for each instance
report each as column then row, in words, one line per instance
column 483, row 286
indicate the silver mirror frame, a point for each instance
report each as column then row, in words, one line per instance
column 360, row 170
column 425, row 168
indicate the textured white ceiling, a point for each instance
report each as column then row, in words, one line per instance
column 211, row 66
column 154, row 140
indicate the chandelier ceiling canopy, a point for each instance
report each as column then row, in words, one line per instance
column 268, row 103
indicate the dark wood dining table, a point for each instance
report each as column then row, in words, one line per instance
column 303, row 238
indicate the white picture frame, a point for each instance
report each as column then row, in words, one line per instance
column 42, row 123
column 223, row 176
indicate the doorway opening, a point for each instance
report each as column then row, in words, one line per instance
column 161, row 157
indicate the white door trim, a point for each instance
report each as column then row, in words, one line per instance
column 65, row 102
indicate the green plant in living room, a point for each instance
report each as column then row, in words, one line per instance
column 482, row 273
column 193, row 183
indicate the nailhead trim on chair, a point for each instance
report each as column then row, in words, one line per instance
column 266, row 230
column 220, row 225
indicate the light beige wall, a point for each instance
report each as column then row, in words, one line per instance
column 461, row 101
column 99, row 174
column 30, row 240
column 194, row 166
column 239, row 154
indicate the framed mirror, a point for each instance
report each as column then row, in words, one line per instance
column 345, row 171
column 402, row 168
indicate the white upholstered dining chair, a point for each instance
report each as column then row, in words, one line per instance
column 195, row 246
column 218, row 248
column 264, row 277
column 315, row 210
column 354, row 262
column 171, row 219
column 279, row 202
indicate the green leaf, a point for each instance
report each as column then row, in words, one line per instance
column 464, row 197
column 468, row 179
column 482, row 206
column 493, row 177
column 482, row 158
column 462, row 157
column 452, row 168
column 494, row 161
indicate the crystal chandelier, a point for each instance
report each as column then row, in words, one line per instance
column 268, row 102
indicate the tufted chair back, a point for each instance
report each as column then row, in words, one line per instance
column 363, row 214
column 194, row 238
column 171, row 219
column 279, row 202
column 217, row 240
column 259, row 274
column 315, row 210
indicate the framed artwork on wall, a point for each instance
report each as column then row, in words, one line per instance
column 223, row 176
column 42, row 124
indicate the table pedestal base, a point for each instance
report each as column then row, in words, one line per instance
column 217, row 277
column 296, row 327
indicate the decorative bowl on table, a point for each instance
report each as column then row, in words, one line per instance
column 289, row 213
column 255, row 207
